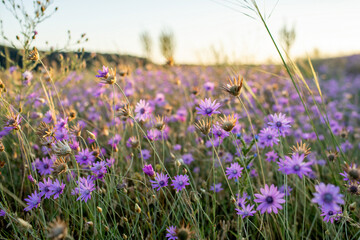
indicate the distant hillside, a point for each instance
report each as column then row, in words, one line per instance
column 53, row 57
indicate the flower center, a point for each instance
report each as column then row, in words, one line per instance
column 181, row 183
column 330, row 213
column 46, row 189
column 353, row 189
column 208, row 110
column 328, row 197
column 234, row 171
column 269, row 199
column 161, row 183
column 85, row 158
column 142, row 110
column 269, row 137
column 278, row 124
column 296, row 167
column 331, row 157
column 219, row 133
column 46, row 166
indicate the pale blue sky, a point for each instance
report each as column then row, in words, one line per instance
column 332, row 26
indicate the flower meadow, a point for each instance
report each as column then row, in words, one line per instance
column 114, row 151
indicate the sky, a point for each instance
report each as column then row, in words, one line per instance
column 331, row 26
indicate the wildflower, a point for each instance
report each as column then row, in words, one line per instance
column 132, row 142
column 234, row 87
column 328, row 196
column 13, row 122
column 171, row 233
column 241, row 200
column 286, row 190
column 33, row 55
column 228, row 122
column 114, row 141
column 57, row 229
column 108, row 76
column 280, row 122
column 217, row 187
column 271, row 156
column 56, row 188
column 99, row 168
column 61, row 148
column 209, row 86
column 44, row 188
column 246, row 211
column 27, row 77
column 184, row 233
column 142, row 110
column 234, row 171
column 85, row 157
column 269, row 136
column 148, row 170
column 124, row 112
column 2, row 213
column 44, row 166
column 352, row 171
column 188, row 158
column 332, row 155
column 207, row 108
column 44, row 130
column 331, row 215
column 12, row 69
column 86, row 186
column 160, row 181
column 219, row 132
column 301, row 148
column 353, row 188
column 203, row 126
column 33, row 201
column 180, row 182
column 59, row 166
column 295, row 165
column 269, row 199
column 145, row 154
column 160, row 124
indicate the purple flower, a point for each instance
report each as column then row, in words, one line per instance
column 145, row 154
column 12, row 69
column 271, row 156
column 31, row 179
column 234, row 171
column 171, row 233
column 219, row 132
column 85, row 157
column 209, row 86
column 142, row 110
column 217, row 188
column 180, row 182
column 331, row 215
column 86, row 186
column 2, row 213
column 295, row 165
column 269, row 199
column 208, row 108
column 241, row 201
column 99, row 169
column 44, row 188
column 148, row 170
column 328, row 197
column 33, row 201
column 114, row 141
column 269, row 136
column 57, row 188
column 27, row 77
column 104, row 73
column 246, row 211
column 188, row 158
column 44, row 166
column 160, row 181
column 280, row 122
column 286, row 191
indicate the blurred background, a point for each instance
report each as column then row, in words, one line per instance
column 202, row 31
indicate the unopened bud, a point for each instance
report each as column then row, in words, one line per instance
column 91, row 135
column 137, row 208
column 352, row 206
column 99, row 209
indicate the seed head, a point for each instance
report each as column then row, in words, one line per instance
column 60, row 166
column 160, row 124
column 352, row 171
column 33, row 55
column 331, row 155
column 228, row 122
column 57, row 229
column 301, row 148
column 204, row 126
column 234, row 87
